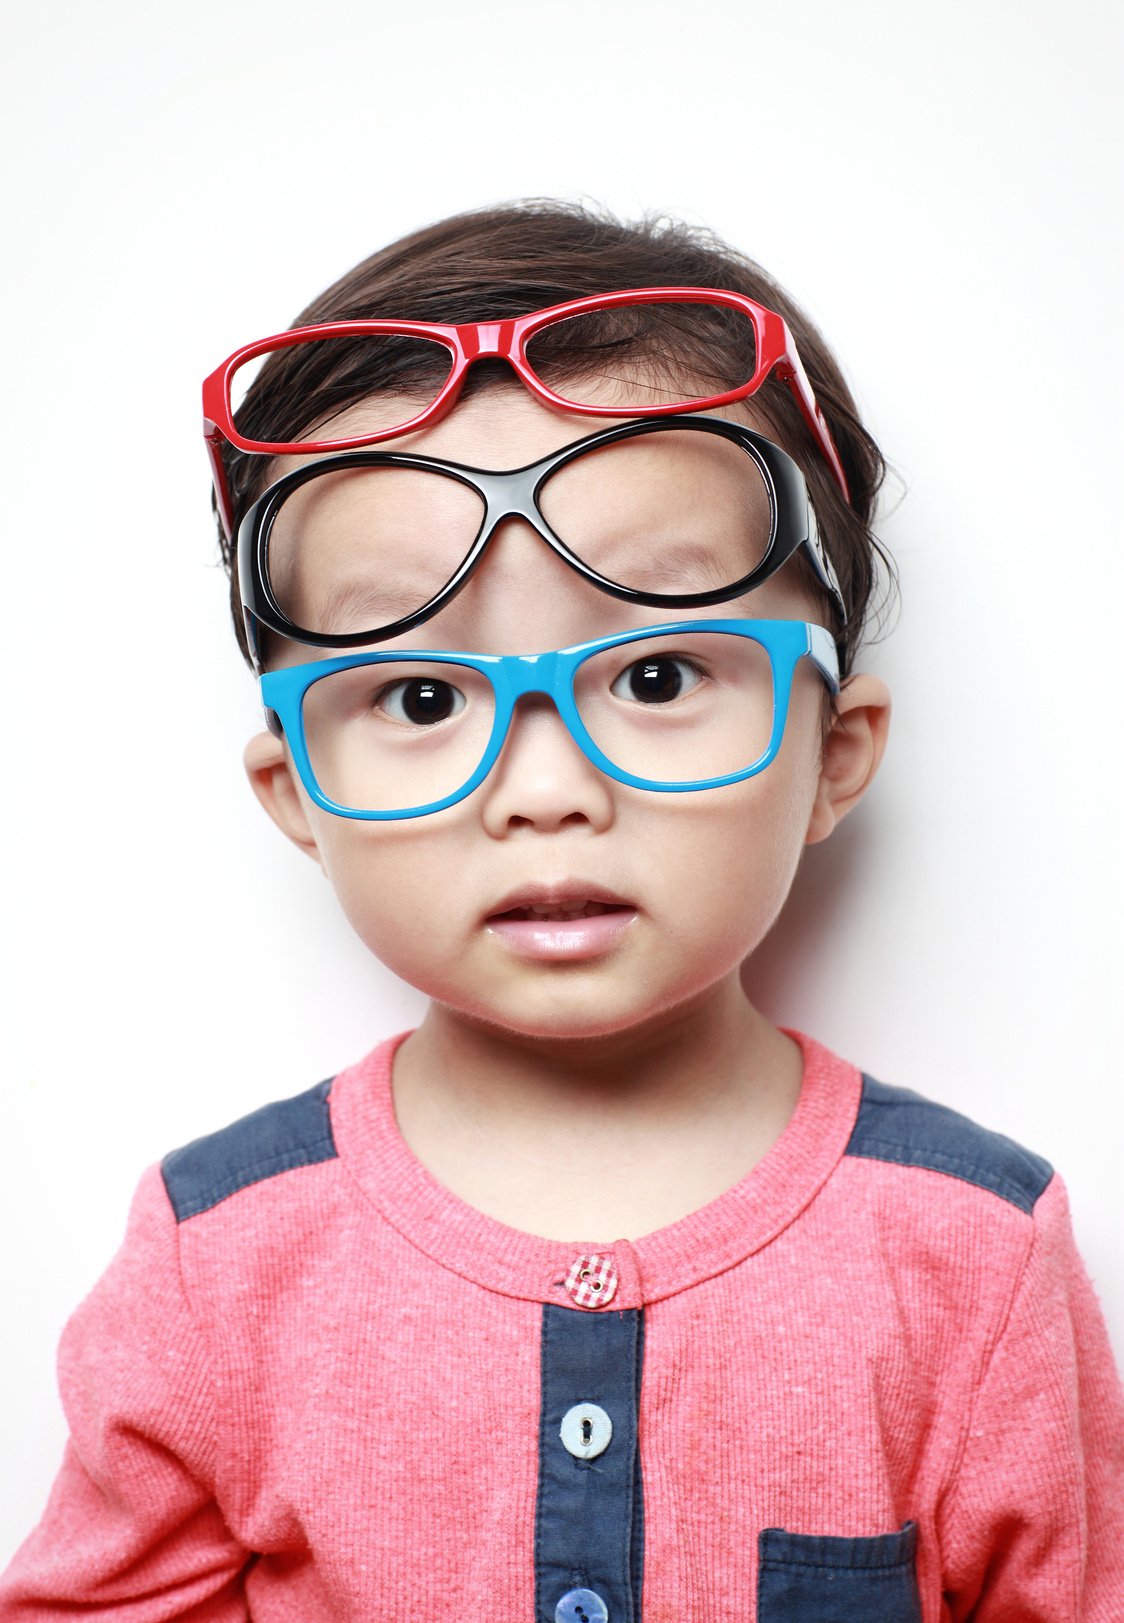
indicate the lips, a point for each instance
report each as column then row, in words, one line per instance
column 564, row 923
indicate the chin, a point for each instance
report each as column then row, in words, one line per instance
column 559, row 1024
column 570, row 1009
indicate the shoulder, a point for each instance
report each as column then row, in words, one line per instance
column 952, row 1218
column 271, row 1141
column 897, row 1126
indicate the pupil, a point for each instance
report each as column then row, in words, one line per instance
column 655, row 679
column 425, row 700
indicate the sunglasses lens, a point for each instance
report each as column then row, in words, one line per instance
column 634, row 356
column 674, row 512
column 679, row 709
column 397, row 736
column 296, row 394
column 355, row 549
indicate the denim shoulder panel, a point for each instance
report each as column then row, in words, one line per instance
column 292, row 1133
column 895, row 1124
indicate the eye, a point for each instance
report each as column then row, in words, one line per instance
column 657, row 679
column 419, row 701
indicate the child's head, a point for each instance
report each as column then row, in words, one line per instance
column 580, row 882
column 498, row 263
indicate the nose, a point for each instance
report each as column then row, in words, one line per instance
column 543, row 782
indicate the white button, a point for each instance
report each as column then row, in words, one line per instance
column 586, row 1431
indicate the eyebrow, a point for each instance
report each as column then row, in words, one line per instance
column 668, row 564
column 357, row 604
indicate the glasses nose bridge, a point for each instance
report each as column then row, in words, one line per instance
column 484, row 339
column 510, row 495
column 537, row 676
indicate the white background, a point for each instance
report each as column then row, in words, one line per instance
column 937, row 187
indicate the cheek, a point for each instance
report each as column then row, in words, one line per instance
column 738, row 850
column 393, row 884
column 739, row 874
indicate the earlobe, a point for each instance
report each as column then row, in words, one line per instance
column 852, row 752
column 271, row 778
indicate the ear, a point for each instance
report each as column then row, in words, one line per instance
column 852, row 752
column 273, row 781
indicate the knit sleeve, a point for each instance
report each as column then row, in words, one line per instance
column 1033, row 1525
column 132, row 1529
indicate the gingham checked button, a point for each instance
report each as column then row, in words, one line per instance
column 592, row 1281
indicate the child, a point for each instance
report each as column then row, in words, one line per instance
column 596, row 1297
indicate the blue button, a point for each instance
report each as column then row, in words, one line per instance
column 581, row 1606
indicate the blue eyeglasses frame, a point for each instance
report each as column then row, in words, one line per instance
column 551, row 675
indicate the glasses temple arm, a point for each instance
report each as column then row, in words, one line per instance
column 214, row 440
column 791, row 369
column 824, row 655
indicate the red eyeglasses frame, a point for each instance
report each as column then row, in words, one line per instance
column 507, row 340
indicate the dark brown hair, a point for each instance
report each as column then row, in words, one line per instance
column 494, row 263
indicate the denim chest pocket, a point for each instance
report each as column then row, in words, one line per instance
column 807, row 1578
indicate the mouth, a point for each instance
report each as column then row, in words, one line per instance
column 565, row 922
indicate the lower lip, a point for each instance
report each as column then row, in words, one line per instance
column 564, row 940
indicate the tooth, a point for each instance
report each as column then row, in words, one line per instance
column 560, row 912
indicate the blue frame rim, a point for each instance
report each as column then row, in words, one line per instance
column 786, row 642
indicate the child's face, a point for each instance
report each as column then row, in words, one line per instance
column 682, row 887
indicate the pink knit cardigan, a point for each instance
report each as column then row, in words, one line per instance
column 311, row 1387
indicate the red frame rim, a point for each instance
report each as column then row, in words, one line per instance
column 507, row 340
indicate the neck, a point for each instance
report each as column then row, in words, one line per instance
column 709, row 1087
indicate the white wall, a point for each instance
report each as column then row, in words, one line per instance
column 936, row 187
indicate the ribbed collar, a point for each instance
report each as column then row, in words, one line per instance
column 672, row 1259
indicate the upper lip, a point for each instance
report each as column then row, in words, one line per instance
column 561, row 893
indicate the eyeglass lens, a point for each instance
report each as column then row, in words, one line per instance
column 674, row 709
column 677, row 512
column 636, row 355
column 343, row 371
